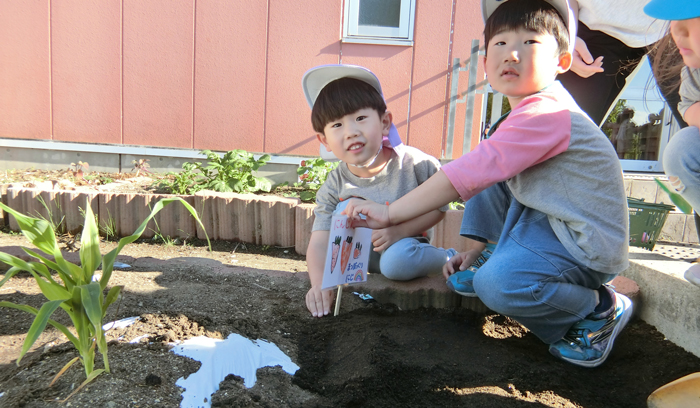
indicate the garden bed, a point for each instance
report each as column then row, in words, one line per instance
column 371, row 355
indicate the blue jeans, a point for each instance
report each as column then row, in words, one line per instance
column 530, row 277
column 407, row 258
column 682, row 160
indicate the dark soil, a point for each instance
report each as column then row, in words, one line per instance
column 371, row 355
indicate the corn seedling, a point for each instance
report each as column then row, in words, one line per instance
column 73, row 288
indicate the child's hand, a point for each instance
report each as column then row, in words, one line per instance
column 384, row 238
column 377, row 214
column 319, row 302
column 460, row 262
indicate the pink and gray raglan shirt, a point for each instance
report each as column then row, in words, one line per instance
column 554, row 159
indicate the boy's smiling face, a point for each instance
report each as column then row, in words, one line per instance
column 355, row 138
column 521, row 62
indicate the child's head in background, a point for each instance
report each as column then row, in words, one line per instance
column 528, row 44
column 681, row 45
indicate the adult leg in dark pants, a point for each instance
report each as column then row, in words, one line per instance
column 597, row 93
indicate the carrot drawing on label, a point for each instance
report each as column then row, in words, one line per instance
column 358, row 251
column 345, row 254
column 336, row 249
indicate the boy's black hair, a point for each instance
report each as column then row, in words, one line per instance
column 533, row 15
column 344, row 96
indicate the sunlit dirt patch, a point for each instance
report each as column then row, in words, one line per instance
column 501, row 327
column 546, row 398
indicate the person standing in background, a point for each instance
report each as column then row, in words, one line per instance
column 612, row 38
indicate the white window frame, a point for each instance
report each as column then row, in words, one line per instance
column 355, row 33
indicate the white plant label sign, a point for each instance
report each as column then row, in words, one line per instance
column 347, row 258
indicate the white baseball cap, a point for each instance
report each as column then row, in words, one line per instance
column 315, row 79
column 562, row 6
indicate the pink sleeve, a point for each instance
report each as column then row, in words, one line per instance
column 536, row 130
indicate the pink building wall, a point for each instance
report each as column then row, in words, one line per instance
column 214, row 74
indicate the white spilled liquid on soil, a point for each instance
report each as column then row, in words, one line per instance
column 236, row 355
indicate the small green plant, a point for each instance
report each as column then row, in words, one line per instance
column 312, row 174
column 184, row 182
column 141, row 165
column 56, row 225
column 233, row 172
column 108, row 227
column 73, row 288
column 158, row 237
column 166, row 240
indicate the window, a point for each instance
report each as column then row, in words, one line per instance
column 379, row 21
column 640, row 123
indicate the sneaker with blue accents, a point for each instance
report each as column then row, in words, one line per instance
column 589, row 342
column 462, row 282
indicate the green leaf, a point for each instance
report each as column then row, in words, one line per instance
column 90, row 257
column 41, row 269
column 53, row 323
column 90, row 295
column 65, row 276
column 80, row 320
column 238, row 186
column 307, row 196
column 38, row 326
column 92, row 304
column 52, row 290
column 10, row 273
column 264, row 184
column 111, row 297
column 15, row 262
column 39, row 232
column 87, row 381
column 221, row 186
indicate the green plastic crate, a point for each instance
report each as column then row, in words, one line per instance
column 646, row 222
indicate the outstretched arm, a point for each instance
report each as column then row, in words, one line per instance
column 431, row 195
column 385, row 237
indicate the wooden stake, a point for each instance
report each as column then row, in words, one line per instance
column 337, row 300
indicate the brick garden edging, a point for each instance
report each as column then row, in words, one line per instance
column 261, row 220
